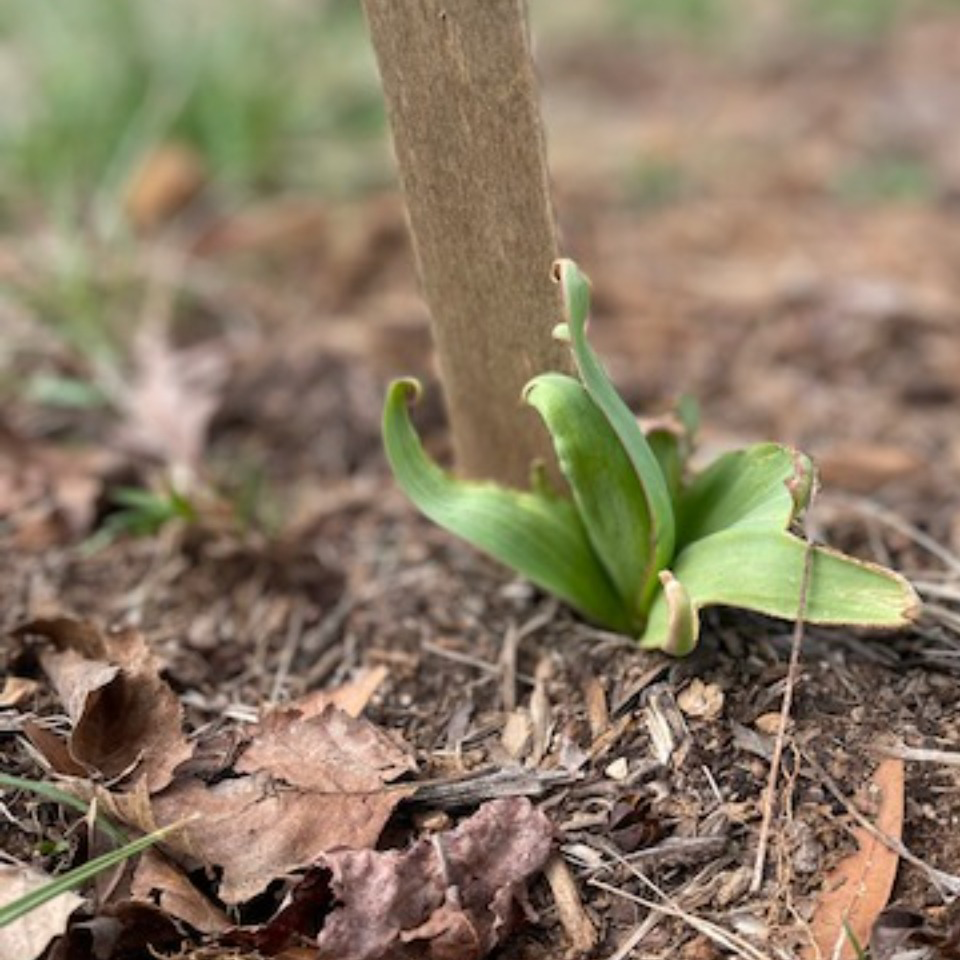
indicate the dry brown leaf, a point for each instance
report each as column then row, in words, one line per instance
column 49, row 493
column 54, row 749
column 857, row 890
column 352, row 698
column 302, row 786
column 29, row 936
column 863, row 467
column 157, row 880
column 329, row 753
column 453, row 896
column 127, row 722
column 16, row 690
column 172, row 399
column 167, row 179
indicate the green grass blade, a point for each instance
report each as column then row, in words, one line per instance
column 49, row 792
column 762, row 570
column 607, row 492
column 78, row 876
column 576, row 297
column 540, row 537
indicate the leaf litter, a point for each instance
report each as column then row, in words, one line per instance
column 290, row 808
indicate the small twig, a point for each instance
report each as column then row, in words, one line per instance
column 896, row 748
column 290, row 645
column 666, row 906
column 770, row 795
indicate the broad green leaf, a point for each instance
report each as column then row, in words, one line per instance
column 576, row 297
column 605, row 487
column 763, row 486
column 762, row 570
column 541, row 537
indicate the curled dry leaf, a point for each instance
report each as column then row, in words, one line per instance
column 302, row 786
column 858, row 889
column 29, row 936
column 453, row 896
column 127, row 722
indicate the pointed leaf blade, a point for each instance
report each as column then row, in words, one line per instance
column 762, row 571
column 606, row 490
column 576, row 297
column 540, row 537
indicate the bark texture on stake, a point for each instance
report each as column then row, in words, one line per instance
column 462, row 100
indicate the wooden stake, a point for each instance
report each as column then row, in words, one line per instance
column 462, row 101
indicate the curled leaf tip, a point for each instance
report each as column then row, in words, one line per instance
column 802, row 484
column 683, row 623
column 408, row 388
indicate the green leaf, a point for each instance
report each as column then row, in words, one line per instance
column 576, row 297
column 763, row 486
column 762, row 570
column 75, row 878
column 539, row 536
column 605, row 487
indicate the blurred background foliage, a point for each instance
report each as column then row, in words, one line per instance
column 284, row 94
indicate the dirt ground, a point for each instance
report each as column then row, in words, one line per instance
column 775, row 231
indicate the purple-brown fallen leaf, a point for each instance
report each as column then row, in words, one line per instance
column 302, row 787
column 453, row 896
column 29, row 936
column 127, row 722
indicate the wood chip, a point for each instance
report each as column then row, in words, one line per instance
column 573, row 917
column 701, row 700
column 598, row 716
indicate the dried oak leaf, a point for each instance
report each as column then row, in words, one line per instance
column 127, row 722
column 453, row 896
column 302, row 786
